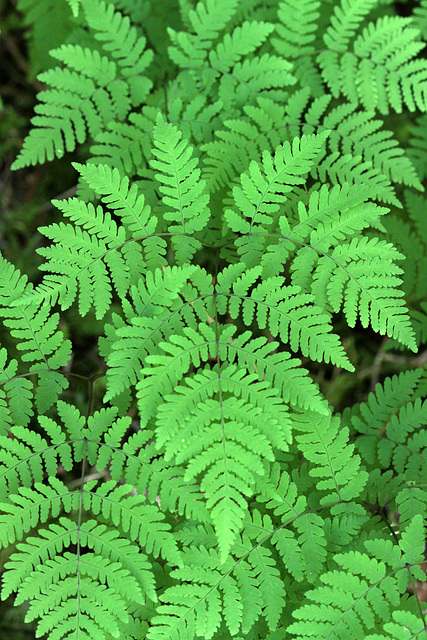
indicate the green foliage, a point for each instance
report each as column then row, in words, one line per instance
column 247, row 212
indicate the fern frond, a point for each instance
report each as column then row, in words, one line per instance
column 95, row 254
column 20, row 575
column 212, row 597
column 360, row 277
column 369, row 418
column 345, row 22
column 302, row 545
column 32, row 325
column 219, row 435
column 352, row 132
column 126, row 145
column 184, row 194
column 207, row 20
column 381, row 72
column 297, row 39
column 224, row 74
column 244, row 40
column 359, row 595
column 324, row 443
column 92, row 90
column 283, row 309
column 162, row 306
column 264, row 187
column 36, row 332
column 53, row 600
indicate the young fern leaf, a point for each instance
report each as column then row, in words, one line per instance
column 221, row 437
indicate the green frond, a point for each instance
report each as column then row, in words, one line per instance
column 363, row 592
column 412, row 545
column 31, row 325
column 91, row 90
column 381, row 71
column 352, row 132
column 127, row 146
column 20, row 398
column 184, row 195
column 301, row 545
column 162, row 305
column 369, row 418
column 347, row 18
column 401, row 445
column 207, row 19
column 324, row 443
column 270, row 584
column 222, row 70
column 28, row 456
column 283, row 309
column 297, row 39
column 244, row 40
column 263, row 189
column 211, row 596
column 361, row 278
column 94, row 256
column 297, row 29
column 20, row 575
column 219, row 436
column 143, row 523
column 36, row 333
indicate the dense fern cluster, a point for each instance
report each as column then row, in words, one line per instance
column 243, row 199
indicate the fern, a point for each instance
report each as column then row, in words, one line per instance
column 92, row 90
column 248, row 244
